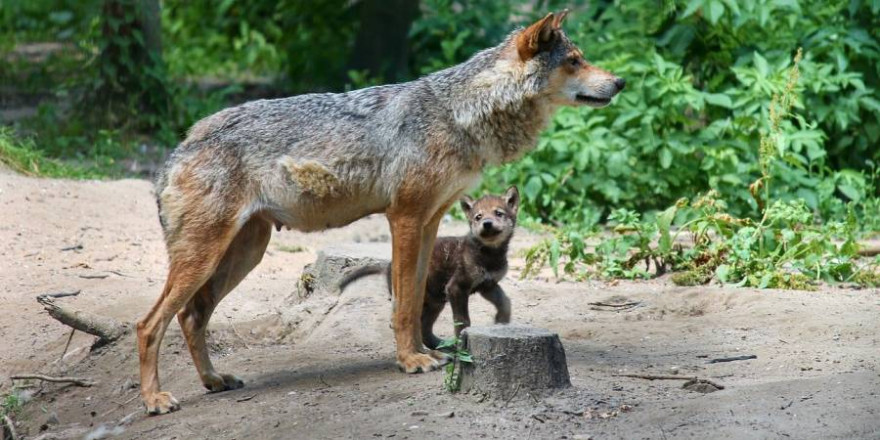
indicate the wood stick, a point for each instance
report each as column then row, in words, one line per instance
column 732, row 359
column 74, row 380
column 67, row 345
column 61, row 294
column 869, row 251
column 106, row 329
column 670, row 377
column 613, row 307
column 10, row 428
column 657, row 377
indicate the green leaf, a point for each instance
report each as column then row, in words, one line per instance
column 761, row 65
column 664, row 223
column 715, row 11
column 533, row 187
column 691, row 8
column 850, row 192
column 718, row 99
column 665, row 158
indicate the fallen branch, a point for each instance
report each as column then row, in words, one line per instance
column 246, row 398
column 74, row 380
column 732, row 359
column 10, row 428
column 657, row 377
column 94, row 277
column 106, row 329
column 692, row 379
column 869, row 251
column 622, row 306
column 61, row 294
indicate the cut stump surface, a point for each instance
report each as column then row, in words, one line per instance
column 511, row 359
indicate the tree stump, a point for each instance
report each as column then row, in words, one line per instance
column 508, row 359
column 333, row 262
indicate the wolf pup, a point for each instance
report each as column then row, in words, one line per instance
column 462, row 266
column 320, row 161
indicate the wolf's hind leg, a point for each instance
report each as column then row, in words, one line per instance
column 499, row 299
column 195, row 251
column 243, row 254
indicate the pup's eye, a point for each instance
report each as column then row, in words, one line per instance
column 575, row 62
column 499, row 214
column 478, row 217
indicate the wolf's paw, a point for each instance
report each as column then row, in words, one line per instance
column 221, row 382
column 161, row 403
column 417, row 363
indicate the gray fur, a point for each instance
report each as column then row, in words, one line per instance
column 364, row 141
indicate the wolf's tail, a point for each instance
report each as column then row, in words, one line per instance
column 362, row 271
column 161, row 183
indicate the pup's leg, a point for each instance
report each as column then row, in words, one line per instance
column 430, row 313
column 241, row 257
column 195, row 251
column 499, row 299
column 458, row 300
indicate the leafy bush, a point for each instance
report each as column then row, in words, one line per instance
column 701, row 77
column 786, row 248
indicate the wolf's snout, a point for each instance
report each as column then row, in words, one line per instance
column 487, row 225
column 620, row 83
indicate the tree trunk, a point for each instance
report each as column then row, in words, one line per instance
column 130, row 69
column 381, row 45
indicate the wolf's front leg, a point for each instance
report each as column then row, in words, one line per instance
column 412, row 239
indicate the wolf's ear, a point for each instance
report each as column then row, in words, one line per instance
column 531, row 40
column 557, row 22
column 467, row 204
column 511, row 197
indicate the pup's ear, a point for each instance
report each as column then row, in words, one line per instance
column 535, row 37
column 557, row 22
column 467, row 204
column 511, row 197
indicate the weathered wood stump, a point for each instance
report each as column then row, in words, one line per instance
column 333, row 262
column 511, row 359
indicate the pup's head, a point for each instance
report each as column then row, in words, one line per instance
column 570, row 79
column 492, row 218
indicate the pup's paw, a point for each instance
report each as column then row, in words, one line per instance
column 161, row 403
column 441, row 357
column 221, row 382
column 417, row 363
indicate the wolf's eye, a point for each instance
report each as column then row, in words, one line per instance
column 478, row 217
column 574, row 62
column 500, row 214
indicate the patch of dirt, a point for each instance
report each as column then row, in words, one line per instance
column 323, row 366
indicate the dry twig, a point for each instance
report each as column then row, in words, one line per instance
column 10, row 428
column 74, row 380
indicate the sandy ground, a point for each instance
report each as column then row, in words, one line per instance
column 322, row 367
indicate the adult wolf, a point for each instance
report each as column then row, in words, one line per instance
column 320, row 161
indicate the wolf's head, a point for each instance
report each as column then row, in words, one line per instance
column 492, row 218
column 568, row 78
